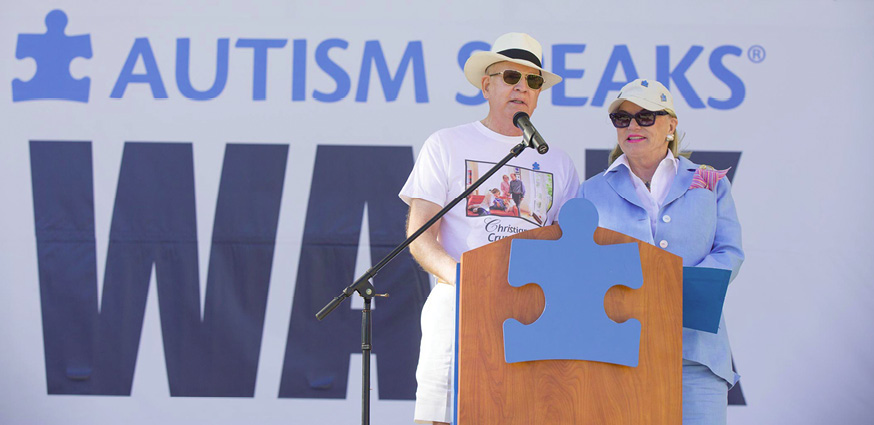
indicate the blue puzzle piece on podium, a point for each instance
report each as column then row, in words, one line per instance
column 53, row 52
column 575, row 274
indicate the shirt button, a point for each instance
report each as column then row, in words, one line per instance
column 666, row 218
column 663, row 243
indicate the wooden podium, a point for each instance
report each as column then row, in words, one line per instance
column 491, row 391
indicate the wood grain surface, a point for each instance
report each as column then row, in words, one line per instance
column 491, row 391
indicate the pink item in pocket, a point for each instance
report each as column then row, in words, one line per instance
column 706, row 177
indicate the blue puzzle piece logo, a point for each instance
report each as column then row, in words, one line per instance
column 575, row 274
column 53, row 52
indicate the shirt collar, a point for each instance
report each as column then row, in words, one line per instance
column 622, row 160
column 485, row 131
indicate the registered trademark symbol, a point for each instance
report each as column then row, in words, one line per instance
column 756, row 54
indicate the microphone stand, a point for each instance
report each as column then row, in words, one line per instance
column 365, row 288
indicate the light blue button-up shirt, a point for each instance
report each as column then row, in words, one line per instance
column 652, row 197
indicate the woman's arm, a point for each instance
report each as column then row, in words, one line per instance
column 726, row 252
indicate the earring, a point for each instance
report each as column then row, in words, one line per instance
column 670, row 138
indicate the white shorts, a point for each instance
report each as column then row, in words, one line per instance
column 436, row 357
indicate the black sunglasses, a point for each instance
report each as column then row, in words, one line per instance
column 644, row 118
column 512, row 77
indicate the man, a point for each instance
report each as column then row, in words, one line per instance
column 517, row 190
column 511, row 78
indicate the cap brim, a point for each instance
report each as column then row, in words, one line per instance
column 475, row 68
column 643, row 103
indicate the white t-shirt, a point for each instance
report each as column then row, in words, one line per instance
column 454, row 158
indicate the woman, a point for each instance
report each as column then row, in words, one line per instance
column 505, row 186
column 690, row 213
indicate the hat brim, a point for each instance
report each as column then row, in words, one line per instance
column 475, row 68
column 643, row 103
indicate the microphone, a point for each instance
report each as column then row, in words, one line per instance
column 530, row 133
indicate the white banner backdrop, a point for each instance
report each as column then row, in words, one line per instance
column 783, row 82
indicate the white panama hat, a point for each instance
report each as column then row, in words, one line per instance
column 648, row 94
column 513, row 47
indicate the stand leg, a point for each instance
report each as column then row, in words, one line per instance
column 365, row 362
column 363, row 286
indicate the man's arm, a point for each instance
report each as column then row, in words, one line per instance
column 426, row 250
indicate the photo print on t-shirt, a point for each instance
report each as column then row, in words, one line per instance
column 513, row 192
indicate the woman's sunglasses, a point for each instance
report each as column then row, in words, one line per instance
column 644, row 118
column 512, row 77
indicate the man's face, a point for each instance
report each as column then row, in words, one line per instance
column 504, row 99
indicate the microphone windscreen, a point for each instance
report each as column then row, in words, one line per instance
column 518, row 116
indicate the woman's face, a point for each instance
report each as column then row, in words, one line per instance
column 647, row 144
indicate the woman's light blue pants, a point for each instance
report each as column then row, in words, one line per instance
column 705, row 395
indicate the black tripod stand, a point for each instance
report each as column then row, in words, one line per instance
column 365, row 288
